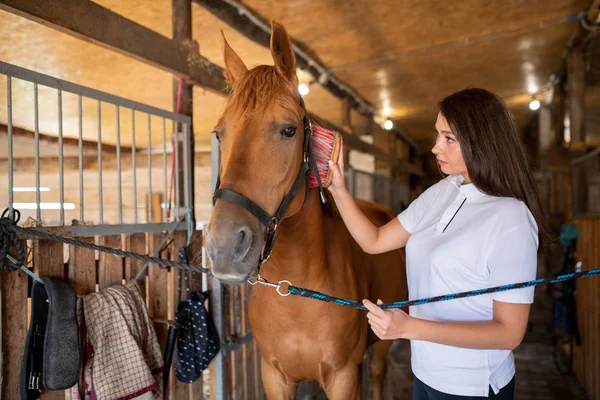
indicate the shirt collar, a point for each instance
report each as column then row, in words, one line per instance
column 468, row 190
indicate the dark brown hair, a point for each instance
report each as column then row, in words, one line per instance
column 493, row 153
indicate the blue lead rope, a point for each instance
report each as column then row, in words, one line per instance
column 298, row 291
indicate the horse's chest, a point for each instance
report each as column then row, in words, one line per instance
column 301, row 332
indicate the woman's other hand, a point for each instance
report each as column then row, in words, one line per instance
column 388, row 324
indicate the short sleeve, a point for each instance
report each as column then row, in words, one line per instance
column 411, row 217
column 513, row 259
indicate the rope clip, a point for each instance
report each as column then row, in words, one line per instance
column 264, row 282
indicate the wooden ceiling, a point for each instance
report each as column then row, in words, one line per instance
column 406, row 55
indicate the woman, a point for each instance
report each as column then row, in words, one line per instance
column 474, row 229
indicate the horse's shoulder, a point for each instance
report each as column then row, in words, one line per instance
column 375, row 212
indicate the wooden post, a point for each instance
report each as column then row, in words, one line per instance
column 576, row 98
column 183, row 99
column 14, row 320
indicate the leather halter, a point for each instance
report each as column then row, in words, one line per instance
column 272, row 222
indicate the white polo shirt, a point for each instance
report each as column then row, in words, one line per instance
column 462, row 239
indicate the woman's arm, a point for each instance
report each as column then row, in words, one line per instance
column 370, row 238
column 504, row 331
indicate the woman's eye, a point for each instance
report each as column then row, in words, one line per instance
column 289, row 131
column 450, row 140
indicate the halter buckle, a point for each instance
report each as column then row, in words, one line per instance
column 273, row 224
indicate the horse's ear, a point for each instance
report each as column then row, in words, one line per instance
column 235, row 68
column 282, row 51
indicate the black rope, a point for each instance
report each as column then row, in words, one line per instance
column 8, row 237
column 9, row 231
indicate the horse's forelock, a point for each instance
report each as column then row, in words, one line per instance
column 258, row 90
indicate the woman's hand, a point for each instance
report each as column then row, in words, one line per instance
column 337, row 170
column 388, row 324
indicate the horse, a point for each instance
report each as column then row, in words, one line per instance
column 263, row 195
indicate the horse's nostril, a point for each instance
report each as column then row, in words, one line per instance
column 244, row 241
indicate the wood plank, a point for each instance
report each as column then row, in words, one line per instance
column 82, row 268
column 248, row 370
column 14, row 328
column 48, row 260
column 228, row 329
column 158, row 297
column 237, row 360
column 93, row 23
column 110, row 267
column 137, row 244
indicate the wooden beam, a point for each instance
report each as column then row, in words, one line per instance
column 245, row 25
column 93, row 23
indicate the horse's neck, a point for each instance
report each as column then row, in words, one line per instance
column 299, row 252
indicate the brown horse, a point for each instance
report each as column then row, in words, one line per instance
column 262, row 136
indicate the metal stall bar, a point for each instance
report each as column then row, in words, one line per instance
column 166, row 194
column 187, row 169
column 80, row 113
column 10, row 145
column 133, row 154
column 100, row 200
column 61, row 172
column 149, row 172
column 176, row 150
column 36, row 129
column 119, row 185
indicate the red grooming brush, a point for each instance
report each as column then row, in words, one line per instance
column 326, row 146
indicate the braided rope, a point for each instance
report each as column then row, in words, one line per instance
column 9, row 229
column 8, row 237
column 298, row 291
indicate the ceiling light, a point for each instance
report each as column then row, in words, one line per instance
column 388, row 124
column 387, row 110
column 303, row 89
column 534, row 105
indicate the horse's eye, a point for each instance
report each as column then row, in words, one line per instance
column 289, row 132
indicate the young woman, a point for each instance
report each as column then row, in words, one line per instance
column 479, row 227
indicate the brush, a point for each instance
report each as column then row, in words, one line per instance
column 326, row 146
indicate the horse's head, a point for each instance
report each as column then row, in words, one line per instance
column 261, row 133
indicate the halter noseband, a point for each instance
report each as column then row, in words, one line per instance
column 272, row 222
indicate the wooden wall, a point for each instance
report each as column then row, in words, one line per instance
column 587, row 356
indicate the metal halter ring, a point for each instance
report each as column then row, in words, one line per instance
column 279, row 288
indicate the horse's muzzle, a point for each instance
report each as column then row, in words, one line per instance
column 233, row 247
